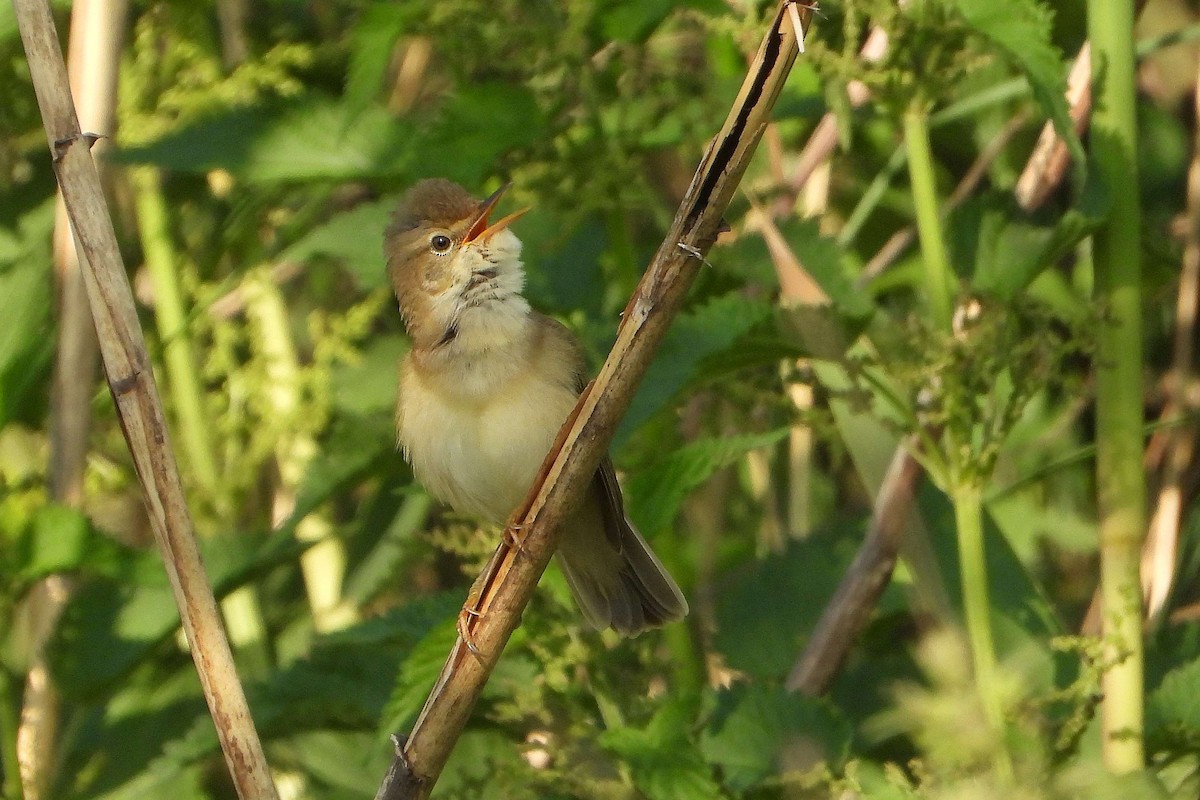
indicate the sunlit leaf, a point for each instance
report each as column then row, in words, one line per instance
column 313, row 140
column 354, row 238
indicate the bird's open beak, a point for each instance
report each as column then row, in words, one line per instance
column 480, row 230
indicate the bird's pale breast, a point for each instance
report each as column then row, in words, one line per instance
column 480, row 453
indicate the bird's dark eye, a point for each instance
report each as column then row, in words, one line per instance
column 440, row 243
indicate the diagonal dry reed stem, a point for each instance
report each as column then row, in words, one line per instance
column 96, row 27
column 509, row 581
column 139, row 407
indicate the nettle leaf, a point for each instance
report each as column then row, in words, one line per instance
column 564, row 272
column 824, row 260
column 655, row 494
column 1173, row 708
column 26, row 345
column 480, row 123
column 368, row 387
column 317, row 139
column 634, row 22
column 352, row 448
column 766, row 609
column 106, row 630
column 1022, row 30
column 665, row 764
column 354, row 238
column 416, row 675
column 694, row 336
column 61, row 539
column 755, row 725
column 1006, row 251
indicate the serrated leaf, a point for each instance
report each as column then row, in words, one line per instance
column 694, row 336
column 26, row 345
column 313, row 140
column 105, row 631
column 767, row 608
column 655, row 494
column 354, row 238
column 754, row 725
column 1006, row 250
column 480, row 123
column 824, row 260
column 665, row 764
column 416, row 676
column 1173, row 708
column 351, row 449
column 1022, row 30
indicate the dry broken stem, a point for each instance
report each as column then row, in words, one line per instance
column 139, row 408
column 513, row 576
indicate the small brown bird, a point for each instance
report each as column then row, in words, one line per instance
column 486, row 387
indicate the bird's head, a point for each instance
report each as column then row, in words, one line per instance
column 451, row 268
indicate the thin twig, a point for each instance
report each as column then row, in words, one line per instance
column 508, row 583
column 868, row 575
column 139, row 407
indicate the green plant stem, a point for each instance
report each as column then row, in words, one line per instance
column 324, row 564
column 183, row 379
column 939, row 278
column 968, row 517
column 1119, row 478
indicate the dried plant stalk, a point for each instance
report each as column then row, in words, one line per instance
column 139, row 407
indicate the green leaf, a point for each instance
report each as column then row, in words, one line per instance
column 564, row 272
column 655, row 494
column 1022, row 30
column 26, row 340
column 766, row 609
column 106, row 630
column 368, row 387
column 664, row 763
column 1008, row 251
column 480, row 123
column 417, row 675
column 694, row 336
column 824, row 260
column 313, row 140
column 1173, row 708
column 755, row 725
column 372, row 45
column 61, row 539
column 634, row 22
column 354, row 238
column 352, row 448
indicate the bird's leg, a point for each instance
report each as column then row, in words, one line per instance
column 514, row 537
column 473, row 606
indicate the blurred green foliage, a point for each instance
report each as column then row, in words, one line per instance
column 279, row 170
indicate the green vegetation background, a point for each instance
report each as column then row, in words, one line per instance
column 273, row 173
